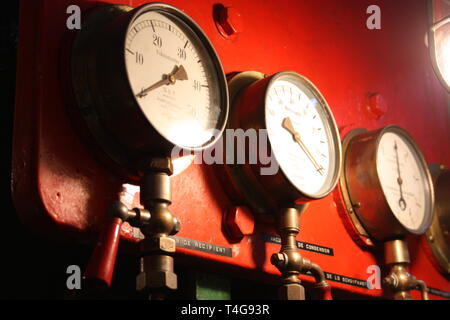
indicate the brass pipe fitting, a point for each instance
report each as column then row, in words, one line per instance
column 399, row 281
column 289, row 260
column 316, row 271
column 421, row 285
column 157, row 266
column 321, row 283
column 155, row 221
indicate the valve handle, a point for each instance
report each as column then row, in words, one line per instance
column 100, row 267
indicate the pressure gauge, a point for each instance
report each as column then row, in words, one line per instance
column 302, row 134
column 146, row 80
column 438, row 236
column 302, row 137
column 388, row 182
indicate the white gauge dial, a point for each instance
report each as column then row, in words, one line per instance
column 173, row 79
column 404, row 180
column 302, row 134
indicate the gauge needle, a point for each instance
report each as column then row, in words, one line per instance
column 401, row 201
column 287, row 124
column 179, row 73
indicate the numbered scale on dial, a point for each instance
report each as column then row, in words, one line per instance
column 387, row 182
column 300, row 135
column 302, row 138
column 146, row 80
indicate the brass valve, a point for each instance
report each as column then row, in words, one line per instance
column 399, row 281
column 156, row 222
column 290, row 262
column 157, row 275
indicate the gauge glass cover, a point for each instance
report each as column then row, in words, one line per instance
column 404, row 181
column 306, row 148
column 163, row 52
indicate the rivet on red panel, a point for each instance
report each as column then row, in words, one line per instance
column 376, row 106
column 228, row 21
column 238, row 222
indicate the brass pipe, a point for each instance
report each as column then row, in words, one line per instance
column 316, row 271
column 423, row 289
column 157, row 275
column 290, row 262
column 399, row 281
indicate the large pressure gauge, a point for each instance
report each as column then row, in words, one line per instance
column 302, row 137
column 388, row 182
column 146, row 80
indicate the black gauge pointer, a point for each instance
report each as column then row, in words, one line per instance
column 287, row 124
column 401, row 201
column 179, row 73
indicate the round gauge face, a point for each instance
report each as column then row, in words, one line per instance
column 405, row 181
column 174, row 79
column 303, row 135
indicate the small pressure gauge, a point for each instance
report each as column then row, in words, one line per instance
column 388, row 182
column 147, row 80
column 302, row 135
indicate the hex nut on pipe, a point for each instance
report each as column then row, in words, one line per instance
column 291, row 292
column 278, row 260
column 156, row 280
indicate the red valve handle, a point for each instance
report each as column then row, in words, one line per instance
column 101, row 264
column 325, row 292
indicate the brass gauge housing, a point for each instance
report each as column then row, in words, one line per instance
column 302, row 140
column 386, row 183
column 438, row 236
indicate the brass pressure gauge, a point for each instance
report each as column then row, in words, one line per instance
column 289, row 115
column 438, row 235
column 146, row 80
column 387, row 182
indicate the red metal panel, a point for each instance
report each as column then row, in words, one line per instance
column 60, row 188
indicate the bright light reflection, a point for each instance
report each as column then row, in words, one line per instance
column 442, row 51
